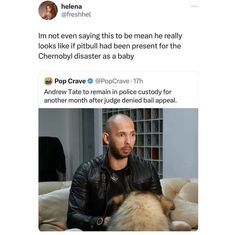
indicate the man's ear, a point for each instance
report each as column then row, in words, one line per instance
column 106, row 138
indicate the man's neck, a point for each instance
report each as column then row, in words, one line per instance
column 117, row 164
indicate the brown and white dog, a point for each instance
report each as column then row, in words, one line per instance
column 141, row 211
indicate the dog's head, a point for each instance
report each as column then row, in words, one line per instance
column 166, row 204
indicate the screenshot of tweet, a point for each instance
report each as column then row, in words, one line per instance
column 116, row 89
column 118, row 104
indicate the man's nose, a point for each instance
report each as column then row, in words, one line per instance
column 127, row 139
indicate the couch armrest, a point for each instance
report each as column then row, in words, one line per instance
column 53, row 208
column 47, row 187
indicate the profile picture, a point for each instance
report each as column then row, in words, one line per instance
column 48, row 80
column 48, row 10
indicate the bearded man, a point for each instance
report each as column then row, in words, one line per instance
column 116, row 172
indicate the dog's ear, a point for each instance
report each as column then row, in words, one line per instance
column 115, row 202
column 118, row 200
column 167, row 205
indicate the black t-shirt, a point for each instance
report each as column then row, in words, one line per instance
column 116, row 187
column 117, row 184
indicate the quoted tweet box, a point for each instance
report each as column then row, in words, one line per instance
column 118, row 89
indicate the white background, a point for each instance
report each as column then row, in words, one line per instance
column 210, row 52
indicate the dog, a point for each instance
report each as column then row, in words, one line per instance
column 141, row 211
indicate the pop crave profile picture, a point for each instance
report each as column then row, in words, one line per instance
column 48, row 80
column 48, row 10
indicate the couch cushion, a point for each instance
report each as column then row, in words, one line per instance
column 53, row 210
column 185, row 211
column 172, row 186
column 189, row 192
column 184, row 193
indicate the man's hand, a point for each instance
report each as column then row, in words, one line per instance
column 106, row 220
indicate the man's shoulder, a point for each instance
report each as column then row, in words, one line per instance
column 139, row 160
column 140, row 163
column 92, row 163
column 86, row 169
column 141, row 170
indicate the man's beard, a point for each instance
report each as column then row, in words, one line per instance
column 116, row 154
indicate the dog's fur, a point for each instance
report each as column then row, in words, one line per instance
column 141, row 211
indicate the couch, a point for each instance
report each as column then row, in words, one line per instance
column 53, row 202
